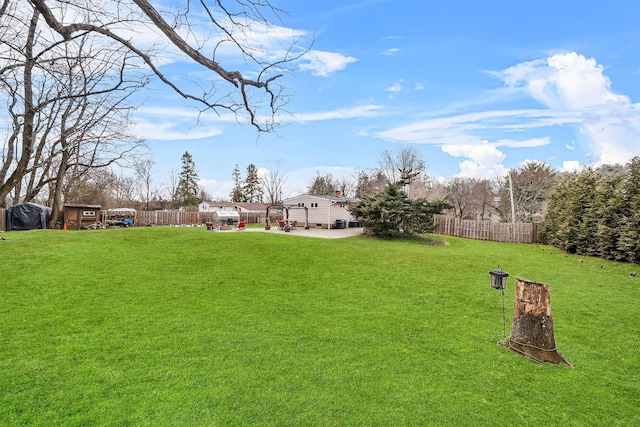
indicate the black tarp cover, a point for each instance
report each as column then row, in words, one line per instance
column 27, row 216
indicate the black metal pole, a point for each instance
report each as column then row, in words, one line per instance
column 504, row 320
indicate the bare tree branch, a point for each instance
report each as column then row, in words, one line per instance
column 241, row 83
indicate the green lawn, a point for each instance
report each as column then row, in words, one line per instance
column 180, row 326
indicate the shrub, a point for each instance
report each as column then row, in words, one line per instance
column 391, row 213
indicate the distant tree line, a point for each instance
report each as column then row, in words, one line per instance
column 596, row 212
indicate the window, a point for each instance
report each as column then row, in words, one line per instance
column 301, row 205
column 314, row 204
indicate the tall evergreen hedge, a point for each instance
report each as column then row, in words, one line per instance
column 596, row 212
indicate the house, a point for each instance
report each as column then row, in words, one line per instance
column 250, row 212
column 322, row 211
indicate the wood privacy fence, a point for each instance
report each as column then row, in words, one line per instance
column 470, row 229
column 188, row 218
column 174, row 218
column 486, row 230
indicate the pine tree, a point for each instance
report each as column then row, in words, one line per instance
column 610, row 212
column 628, row 246
column 391, row 212
column 252, row 186
column 187, row 189
column 597, row 212
column 237, row 193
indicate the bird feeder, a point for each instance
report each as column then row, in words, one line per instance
column 498, row 278
column 499, row 282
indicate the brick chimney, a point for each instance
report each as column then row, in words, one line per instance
column 338, row 193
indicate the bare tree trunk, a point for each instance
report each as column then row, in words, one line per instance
column 57, row 210
column 532, row 335
column 29, row 117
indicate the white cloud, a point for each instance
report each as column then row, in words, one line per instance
column 321, row 63
column 395, row 87
column 219, row 190
column 464, row 128
column 171, row 131
column 390, row 52
column 418, row 86
column 572, row 83
column 574, row 92
column 483, row 160
column 343, row 113
column 570, row 165
column 527, row 143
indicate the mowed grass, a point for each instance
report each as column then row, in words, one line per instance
column 179, row 326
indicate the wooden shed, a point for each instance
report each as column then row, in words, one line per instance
column 77, row 217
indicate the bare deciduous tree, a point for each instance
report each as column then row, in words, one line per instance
column 238, row 27
column 459, row 193
column 369, row 182
column 143, row 169
column 68, row 105
column 323, row 184
column 402, row 166
column 172, row 188
column 273, row 183
column 471, row 197
column 532, row 183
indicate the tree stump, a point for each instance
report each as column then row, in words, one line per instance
column 532, row 335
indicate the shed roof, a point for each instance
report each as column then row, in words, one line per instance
column 122, row 210
column 84, row 206
column 224, row 214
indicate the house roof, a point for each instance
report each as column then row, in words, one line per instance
column 331, row 198
column 244, row 206
column 252, row 206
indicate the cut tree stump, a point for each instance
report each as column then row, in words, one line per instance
column 532, row 334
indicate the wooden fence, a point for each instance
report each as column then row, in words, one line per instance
column 486, row 230
column 173, row 218
column 470, row 229
column 188, row 218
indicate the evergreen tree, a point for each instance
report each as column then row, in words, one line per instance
column 597, row 212
column 609, row 213
column 187, row 189
column 628, row 245
column 252, row 186
column 237, row 194
column 391, row 212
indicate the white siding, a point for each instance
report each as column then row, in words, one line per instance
column 325, row 214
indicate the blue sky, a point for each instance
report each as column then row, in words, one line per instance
column 477, row 87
